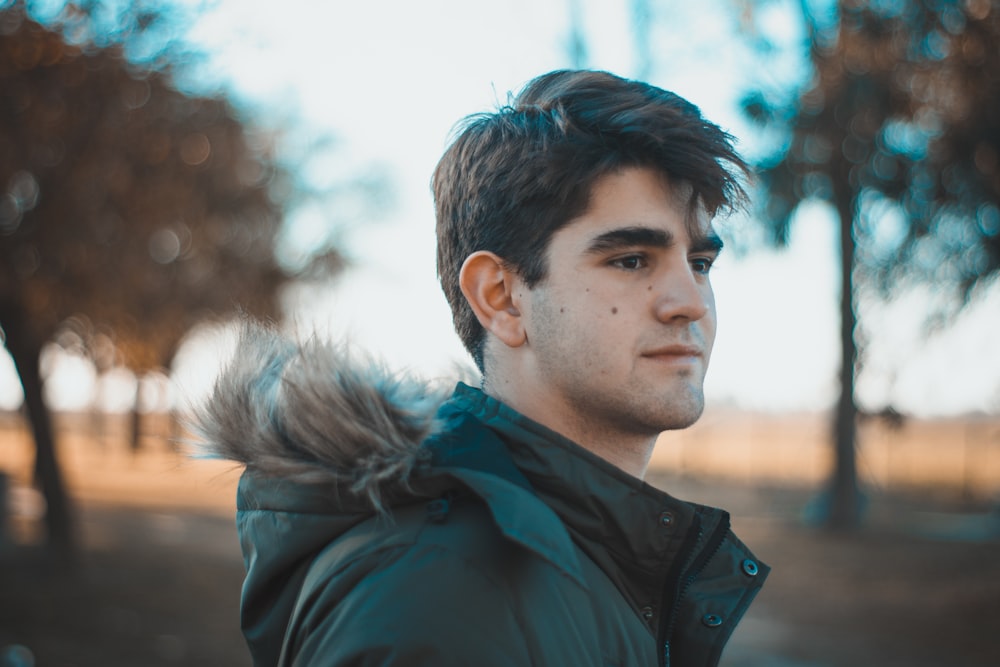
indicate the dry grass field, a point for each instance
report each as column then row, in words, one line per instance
column 947, row 457
column 158, row 582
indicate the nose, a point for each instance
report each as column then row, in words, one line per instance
column 682, row 294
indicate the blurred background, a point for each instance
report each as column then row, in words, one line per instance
column 166, row 166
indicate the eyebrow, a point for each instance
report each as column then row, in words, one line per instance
column 627, row 237
column 707, row 242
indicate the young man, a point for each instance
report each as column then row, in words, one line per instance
column 383, row 524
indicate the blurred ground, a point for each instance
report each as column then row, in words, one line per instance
column 158, row 582
column 153, row 588
column 918, row 586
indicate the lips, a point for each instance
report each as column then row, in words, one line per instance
column 675, row 351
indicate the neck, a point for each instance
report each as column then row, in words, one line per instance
column 628, row 451
column 632, row 458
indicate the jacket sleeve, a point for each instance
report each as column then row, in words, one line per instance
column 410, row 605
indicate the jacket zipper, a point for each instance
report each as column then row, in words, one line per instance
column 671, row 586
column 688, row 574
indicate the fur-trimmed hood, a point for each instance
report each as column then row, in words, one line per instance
column 328, row 438
column 313, row 412
column 328, row 441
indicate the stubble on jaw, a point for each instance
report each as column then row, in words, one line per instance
column 610, row 414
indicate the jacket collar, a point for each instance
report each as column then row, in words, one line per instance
column 466, row 452
column 633, row 531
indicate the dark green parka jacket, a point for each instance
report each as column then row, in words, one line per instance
column 495, row 541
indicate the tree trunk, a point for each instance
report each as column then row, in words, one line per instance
column 843, row 511
column 58, row 516
column 577, row 44
column 135, row 421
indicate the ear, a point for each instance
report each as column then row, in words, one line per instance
column 489, row 288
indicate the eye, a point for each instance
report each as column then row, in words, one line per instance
column 630, row 262
column 702, row 265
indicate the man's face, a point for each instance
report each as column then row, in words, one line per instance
column 620, row 331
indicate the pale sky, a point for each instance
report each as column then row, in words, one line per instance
column 390, row 78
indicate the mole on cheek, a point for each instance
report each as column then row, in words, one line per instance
column 649, row 289
column 614, row 311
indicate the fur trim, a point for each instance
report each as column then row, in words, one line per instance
column 310, row 412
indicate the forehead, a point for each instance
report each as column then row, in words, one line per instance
column 642, row 197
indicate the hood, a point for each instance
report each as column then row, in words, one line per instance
column 328, row 438
column 316, row 413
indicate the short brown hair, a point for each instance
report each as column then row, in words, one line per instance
column 512, row 178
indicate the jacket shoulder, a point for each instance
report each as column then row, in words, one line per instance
column 432, row 589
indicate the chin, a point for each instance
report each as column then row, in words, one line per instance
column 684, row 412
column 680, row 424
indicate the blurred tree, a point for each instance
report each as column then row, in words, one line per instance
column 576, row 46
column 899, row 130
column 125, row 204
